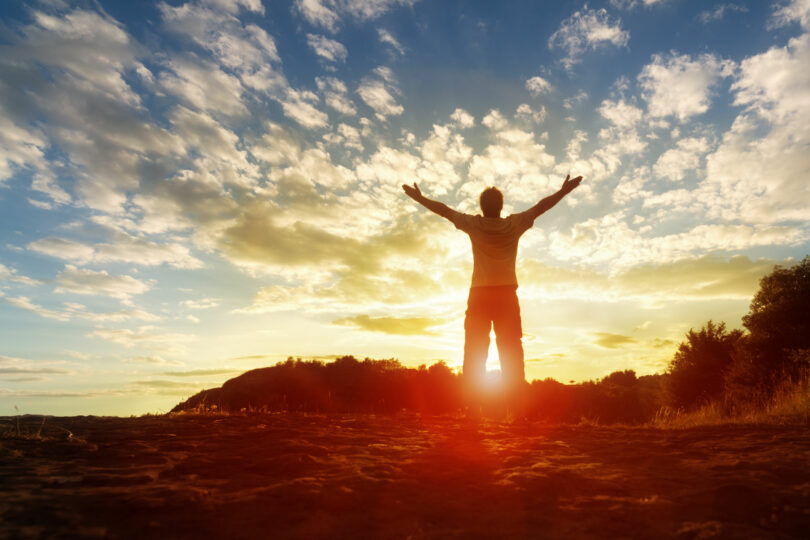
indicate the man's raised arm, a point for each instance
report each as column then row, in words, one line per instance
column 434, row 206
column 545, row 204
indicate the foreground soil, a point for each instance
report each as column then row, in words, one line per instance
column 308, row 476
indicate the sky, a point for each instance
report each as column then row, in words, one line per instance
column 189, row 190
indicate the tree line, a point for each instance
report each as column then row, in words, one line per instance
column 713, row 365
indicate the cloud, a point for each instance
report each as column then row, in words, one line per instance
column 156, row 360
column 129, row 337
column 19, row 147
column 9, row 274
column 538, row 85
column 675, row 162
column 124, row 248
column 463, row 119
column 201, row 372
column 27, row 371
column 299, row 106
column 85, row 281
column 327, row 49
column 629, row 4
column 378, row 93
column 335, row 95
column 700, row 278
column 584, row 30
column 525, row 113
column 792, row 11
column 514, row 161
column 612, row 240
column 245, row 49
column 23, row 302
column 388, row 39
column 204, row 86
column 679, row 86
column 328, row 14
column 612, row 341
column 202, row 303
column 406, row 326
column 758, row 172
column 621, row 114
column 719, row 12
column 318, row 13
column 73, row 310
column 79, row 311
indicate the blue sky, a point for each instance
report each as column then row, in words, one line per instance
column 192, row 189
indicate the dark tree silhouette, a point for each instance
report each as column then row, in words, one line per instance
column 697, row 371
column 779, row 322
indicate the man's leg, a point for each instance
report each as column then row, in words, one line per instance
column 508, row 334
column 477, row 324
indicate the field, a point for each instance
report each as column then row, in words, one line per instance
column 402, row 476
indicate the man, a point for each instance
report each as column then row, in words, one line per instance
column 493, row 293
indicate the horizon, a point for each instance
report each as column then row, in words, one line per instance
column 190, row 190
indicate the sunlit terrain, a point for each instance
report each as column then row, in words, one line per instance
column 190, row 190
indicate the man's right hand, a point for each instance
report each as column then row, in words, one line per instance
column 412, row 191
column 569, row 183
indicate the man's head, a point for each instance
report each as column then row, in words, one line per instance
column 491, row 201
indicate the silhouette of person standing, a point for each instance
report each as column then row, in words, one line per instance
column 493, row 298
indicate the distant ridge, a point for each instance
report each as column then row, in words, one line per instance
column 348, row 385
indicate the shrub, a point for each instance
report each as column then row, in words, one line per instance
column 697, row 371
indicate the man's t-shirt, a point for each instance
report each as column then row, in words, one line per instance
column 494, row 245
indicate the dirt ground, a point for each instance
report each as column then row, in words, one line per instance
column 310, row 476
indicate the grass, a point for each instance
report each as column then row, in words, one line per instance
column 789, row 405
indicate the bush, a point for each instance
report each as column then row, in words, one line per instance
column 697, row 371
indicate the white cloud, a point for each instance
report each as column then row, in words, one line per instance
column 87, row 45
column 675, row 162
column 327, row 49
column 9, row 274
column 719, row 12
column 202, row 303
column 611, row 240
column 247, row 50
column 125, row 248
column 387, row 38
column 571, row 102
column 23, row 302
column 204, row 86
column 318, row 13
column 495, row 121
column 85, row 281
column 514, row 162
column 629, row 4
column 621, row 114
column 378, row 93
column 677, row 85
column 538, row 85
column 335, row 95
column 793, row 10
column 758, row 173
column 328, row 13
column 463, row 119
column 148, row 335
column 299, row 106
column 525, row 113
column 584, row 30
column 19, row 147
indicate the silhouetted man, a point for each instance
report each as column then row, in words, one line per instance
column 493, row 293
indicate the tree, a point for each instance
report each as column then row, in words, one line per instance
column 779, row 321
column 697, row 371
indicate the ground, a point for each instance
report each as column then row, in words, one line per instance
column 403, row 476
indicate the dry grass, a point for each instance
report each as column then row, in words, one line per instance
column 790, row 404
